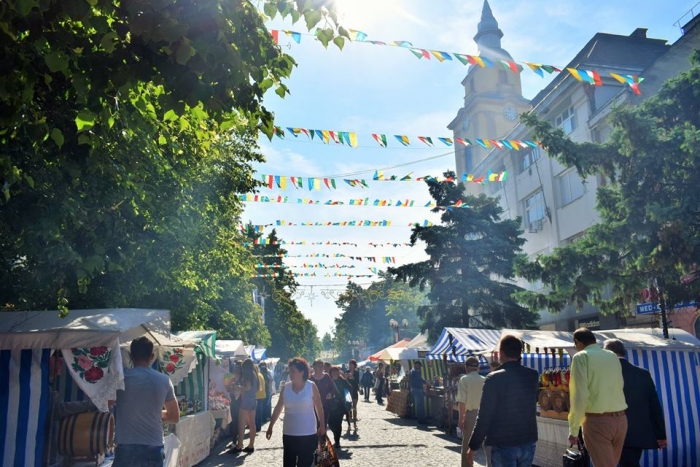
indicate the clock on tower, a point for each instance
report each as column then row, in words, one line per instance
column 510, row 113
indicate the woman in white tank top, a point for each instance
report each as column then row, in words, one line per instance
column 302, row 410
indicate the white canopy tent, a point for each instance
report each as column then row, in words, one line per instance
column 81, row 328
column 231, row 349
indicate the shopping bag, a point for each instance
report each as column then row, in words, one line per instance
column 325, row 455
column 347, row 400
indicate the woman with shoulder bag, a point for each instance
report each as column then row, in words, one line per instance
column 302, row 406
column 338, row 408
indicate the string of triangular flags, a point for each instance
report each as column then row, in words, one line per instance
column 372, row 259
column 583, row 75
column 311, row 274
column 250, row 198
column 317, row 183
column 305, row 266
column 350, row 138
column 360, row 223
column 267, row 241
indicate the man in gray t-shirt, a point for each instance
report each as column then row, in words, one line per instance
column 147, row 401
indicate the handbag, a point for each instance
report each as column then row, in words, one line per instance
column 325, row 455
column 576, row 458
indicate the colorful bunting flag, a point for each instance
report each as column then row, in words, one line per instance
column 590, row 76
column 402, row 139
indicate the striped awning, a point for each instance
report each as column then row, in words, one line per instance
column 456, row 344
column 205, row 340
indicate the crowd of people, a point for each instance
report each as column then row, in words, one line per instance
column 614, row 412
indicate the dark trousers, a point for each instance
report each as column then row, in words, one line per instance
column 233, row 426
column 379, row 392
column 368, row 390
column 335, row 421
column 630, row 457
column 298, row 451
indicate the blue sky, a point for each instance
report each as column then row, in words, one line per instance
column 380, row 89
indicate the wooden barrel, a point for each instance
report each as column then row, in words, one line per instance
column 86, row 434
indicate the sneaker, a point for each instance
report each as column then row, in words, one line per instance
column 337, row 445
column 249, row 449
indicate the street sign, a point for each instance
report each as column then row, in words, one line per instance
column 649, row 308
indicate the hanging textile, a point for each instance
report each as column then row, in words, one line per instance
column 98, row 372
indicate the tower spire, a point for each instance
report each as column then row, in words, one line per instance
column 488, row 36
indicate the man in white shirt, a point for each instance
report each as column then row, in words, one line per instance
column 469, row 397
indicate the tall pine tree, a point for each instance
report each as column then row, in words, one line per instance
column 469, row 272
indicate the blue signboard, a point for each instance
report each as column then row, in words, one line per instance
column 649, row 308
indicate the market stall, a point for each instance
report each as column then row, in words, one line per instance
column 199, row 387
column 31, row 344
column 185, row 358
column 673, row 364
column 452, row 349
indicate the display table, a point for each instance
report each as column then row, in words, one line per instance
column 398, row 402
column 221, row 417
column 194, row 432
column 553, row 439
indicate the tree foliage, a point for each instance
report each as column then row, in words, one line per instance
column 649, row 233
column 292, row 334
column 126, row 130
column 469, row 273
column 366, row 313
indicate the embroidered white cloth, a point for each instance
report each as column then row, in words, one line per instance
column 176, row 362
column 98, row 371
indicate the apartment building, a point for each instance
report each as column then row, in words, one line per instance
column 556, row 206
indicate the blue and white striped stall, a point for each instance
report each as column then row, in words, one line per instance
column 456, row 344
column 27, row 341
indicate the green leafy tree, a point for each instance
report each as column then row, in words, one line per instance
column 366, row 314
column 327, row 341
column 292, row 334
column 469, row 273
column 126, row 129
column 649, row 234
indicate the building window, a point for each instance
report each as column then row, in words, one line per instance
column 566, row 121
column 570, row 187
column 535, row 211
column 528, row 157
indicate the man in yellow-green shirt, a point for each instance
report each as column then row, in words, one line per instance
column 597, row 400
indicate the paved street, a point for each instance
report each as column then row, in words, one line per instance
column 382, row 439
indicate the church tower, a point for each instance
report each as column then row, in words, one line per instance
column 492, row 97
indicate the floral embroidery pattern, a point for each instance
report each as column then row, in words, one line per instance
column 172, row 361
column 90, row 363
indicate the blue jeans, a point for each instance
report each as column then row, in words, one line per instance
column 138, row 455
column 513, row 456
column 418, row 403
column 267, row 413
column 259, row 414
